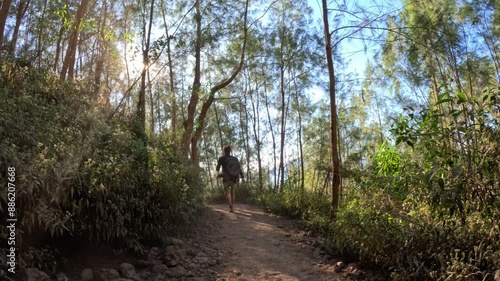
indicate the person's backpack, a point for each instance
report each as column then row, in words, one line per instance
column 233, row 167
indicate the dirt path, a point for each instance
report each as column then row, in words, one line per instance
column 248, row 244
column 261, row 246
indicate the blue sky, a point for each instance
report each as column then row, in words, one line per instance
column 353, row 50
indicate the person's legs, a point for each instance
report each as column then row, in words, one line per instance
column 229, row 187
column 230, row 197
column 233, row 196
column 227, row 192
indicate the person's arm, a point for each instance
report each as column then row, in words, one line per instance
column 218, row 166
column 219, row 163
column 241, row 175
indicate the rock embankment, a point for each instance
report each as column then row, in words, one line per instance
column 181, row 260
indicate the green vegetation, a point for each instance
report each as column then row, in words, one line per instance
column 82, row 174
column 114, row 112
column 427, row 210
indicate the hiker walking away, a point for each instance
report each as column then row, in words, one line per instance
column 231, row 171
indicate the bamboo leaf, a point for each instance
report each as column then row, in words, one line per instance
column 462, row 97
column 443, row 101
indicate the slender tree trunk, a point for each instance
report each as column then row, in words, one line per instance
column 209, row 164
column 58, row 47
column 247, row 137
column 159, row 103
column 68, row 67
column 141, row 104
column 100, row 52
column 4, row 13
column 243, row 132
column 315, row 180
column 256, row 133
column 200, row 121
column 282, row 133
column 218, row 128
column 125, row 44
column 325, row 183
column 39, row 39
column 173, row 101
column 171, row 76
column 275, row 178
column 193, row 102
column 151, row 106
column 301, row 151
column 79, row 65
column 21, row 11
column 333, row 117
column 99, row 68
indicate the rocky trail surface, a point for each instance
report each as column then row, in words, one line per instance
column 247, row 244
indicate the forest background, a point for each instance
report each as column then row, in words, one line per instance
column 114, row 112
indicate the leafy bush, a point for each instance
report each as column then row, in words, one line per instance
column 83, row 175
column 426, row 210
column 413, row 246
column 295, row 204
column 433, row 203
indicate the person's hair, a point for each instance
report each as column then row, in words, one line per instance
column 227, row 150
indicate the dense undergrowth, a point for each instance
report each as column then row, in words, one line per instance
column 427, row 208
column 83, row 175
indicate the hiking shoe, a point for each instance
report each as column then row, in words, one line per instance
column 231, row 209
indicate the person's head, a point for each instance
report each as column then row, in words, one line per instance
column 227, row 150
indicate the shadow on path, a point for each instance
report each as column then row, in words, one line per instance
column 261, row 246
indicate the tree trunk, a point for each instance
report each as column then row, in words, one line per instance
column 209, row 170
column 4, row 13
column 193, row 102
column 21, row 11
column 301, row 151
column 39, row 39
column 282, row 133
column 141, row 104
column 68, row 67
column 333, row 118
column 100, row 53
column 151, row 106
column 256, row 133
column 200, row 121
column 247, row 137
column 218, row 128
column 275, row 178
column 173, row 102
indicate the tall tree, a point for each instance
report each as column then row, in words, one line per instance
column 146, row 45
column 173, row 103
column 68, row 67
column 196, row 88
column 192, row 133
column 333, row 116
column 22, row 7
column 4, row 13
column 289, row 55
column 254, row 101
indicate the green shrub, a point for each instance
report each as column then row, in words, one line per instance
column 83, row 175
column 295, row 204
column 411, row 245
